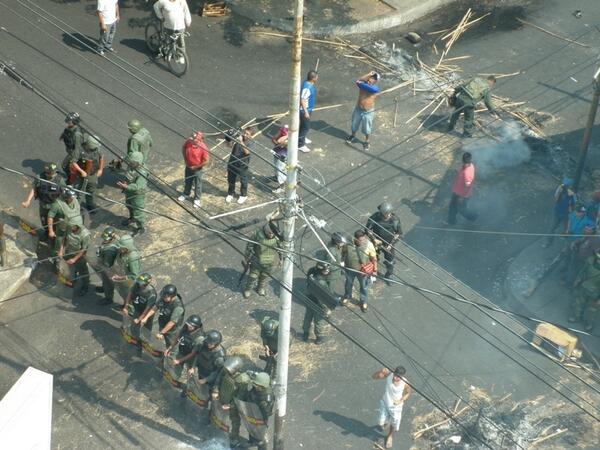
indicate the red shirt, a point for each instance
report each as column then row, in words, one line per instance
column 463, row 182
column 195, row 154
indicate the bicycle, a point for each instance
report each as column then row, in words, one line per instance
column 168, row 47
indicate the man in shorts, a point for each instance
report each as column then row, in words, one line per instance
column 397, row 390
column 364, row 111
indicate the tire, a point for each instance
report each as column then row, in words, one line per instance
column 178, row 62
column 152, row 33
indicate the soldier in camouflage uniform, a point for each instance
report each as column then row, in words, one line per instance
column 61, row 214
column 140, row 140
column 231, row 382
column 269, row 335
column 46, row 188
column 140, row 299
column 107, row 255
column 384, row 230
column 261, row 258
column 209, row 358
column 466, row 98
column 73, row 249
column 72, row 137
column 587, row 293
column 321, row 298
column 170, row 311
column 261, row 394
column 92, row 162
column 134, row 189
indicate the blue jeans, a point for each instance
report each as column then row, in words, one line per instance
column 106, row 37
column 363, row 283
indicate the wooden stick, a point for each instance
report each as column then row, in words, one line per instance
column 431, row 114
column 425, row 107
column 550, row 436
column 524, row 22
column 395, row 110
column 433, row 33
column 502, row 75
column 420, row 433
column 398, row 86
column 468, row 24
column 456, row 58
column 354, row 56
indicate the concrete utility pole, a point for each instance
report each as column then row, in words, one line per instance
column 289, row 213
column 587, row 135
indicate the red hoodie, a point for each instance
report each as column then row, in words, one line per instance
column 195, row 154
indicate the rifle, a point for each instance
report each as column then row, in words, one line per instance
column 246, row 266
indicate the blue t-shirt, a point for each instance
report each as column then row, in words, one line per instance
column 308, row 88
column 576, row 225
column 564, row 203
column 371, row 88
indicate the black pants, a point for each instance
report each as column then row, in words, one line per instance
column 304, row 129
column 458, row 205
column 233, row 173
column 388, row 260
column 193, row 178
column 465, row 107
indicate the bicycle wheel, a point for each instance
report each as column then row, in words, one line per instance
column 178, row 62
column 152, row 33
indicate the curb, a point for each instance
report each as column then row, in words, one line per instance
column 19, row 257
column 374, row 24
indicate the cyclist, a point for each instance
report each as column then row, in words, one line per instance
column 175, row 17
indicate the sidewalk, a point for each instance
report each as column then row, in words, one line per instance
column 337, row 17
column 531, row 270
column 20, row 254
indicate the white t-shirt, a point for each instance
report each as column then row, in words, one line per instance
column 108, row 10
column 393, row 392
column 176, row 14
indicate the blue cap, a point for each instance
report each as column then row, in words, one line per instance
column 567, row 181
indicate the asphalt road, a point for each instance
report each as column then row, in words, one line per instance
column 105, row 397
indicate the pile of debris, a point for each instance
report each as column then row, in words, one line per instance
column 502, row 423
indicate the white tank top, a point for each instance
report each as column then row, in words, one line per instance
column 393, row 392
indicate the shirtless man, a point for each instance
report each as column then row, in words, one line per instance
column 397, row 390
column 364, row 111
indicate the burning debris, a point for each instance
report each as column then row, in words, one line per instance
column 503, row 423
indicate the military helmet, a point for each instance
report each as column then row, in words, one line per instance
column 109, row 234
column 136, row 158
column 385, row 208
column 213, row 337
column 68, row 193
column 143, row 279
column 134, row 125
column 339, row 238
column 233, row 364
column 91, row 142
column 50, row 167
column 194, row 320
column 73, row 117
column 322, row 266
column 269, row 327
column 261, row 379
column 169, row 290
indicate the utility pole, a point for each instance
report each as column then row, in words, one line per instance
column 289, row 214
column 587, row 135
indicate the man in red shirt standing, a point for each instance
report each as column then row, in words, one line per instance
column 195, row 155
column 462, row 190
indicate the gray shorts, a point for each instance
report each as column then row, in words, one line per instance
column 362, row 119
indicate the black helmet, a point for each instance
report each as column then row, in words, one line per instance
column 339, row 238
column 269, row 327
column 233, row 364
column 385, row 208
column 169, row 290
column 213, row 337
column 144, row 279
column 194, row 320
column 323, row 266
column 73, row 117
column 69, row 193
column 231, row 134
column 109, row 234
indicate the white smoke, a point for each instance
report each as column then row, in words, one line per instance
column 507, row 150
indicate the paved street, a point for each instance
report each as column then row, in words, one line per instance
column 107, row 397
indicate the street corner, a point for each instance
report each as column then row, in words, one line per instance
column 17, row 253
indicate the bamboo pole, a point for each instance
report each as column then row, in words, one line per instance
column 425, row 107
column 550, row 436
column 524, row 22
column 420, row 433
column 320, row 41
column 431, row 114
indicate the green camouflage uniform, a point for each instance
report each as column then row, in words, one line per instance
column 89, row 184
column 467, row 97
column 140, row 142
column 170, row 312
column 228, row 388
column 135, row 195
column 47, row 191
column 64, row 214
column 107, row 255
column 261, row 257
column 73, row 140
column 78, row 272
column 318, row 286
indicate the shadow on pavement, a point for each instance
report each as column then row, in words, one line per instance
column 80, row 42
column 139, row 45
column 347, row 424
column 227, row 277
column 324, row 127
